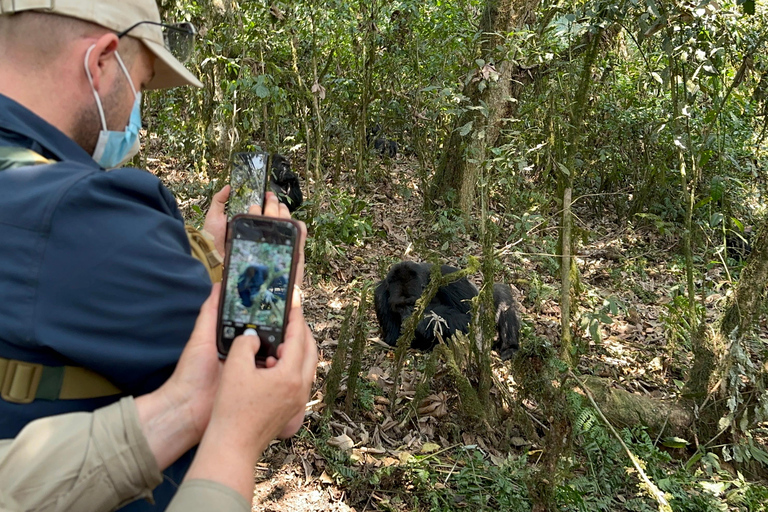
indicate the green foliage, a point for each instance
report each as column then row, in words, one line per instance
column 676, row 109
column 676, row 322
column 594, row 320
column 343, row 224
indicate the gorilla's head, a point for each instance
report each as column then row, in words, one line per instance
column 407, row 281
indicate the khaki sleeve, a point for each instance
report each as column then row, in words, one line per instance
column 78, row 461
column 207, row 496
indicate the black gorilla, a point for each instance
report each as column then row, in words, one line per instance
column 249, row 285
column 381, row 144
column 284, row 183
column 449, row 311
column 738, row 245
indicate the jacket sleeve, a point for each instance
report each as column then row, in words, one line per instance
column 205, row 496
column 78, row 461
column 118, row 291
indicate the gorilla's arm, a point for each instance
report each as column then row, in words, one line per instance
column 441, row 319
column 456, row 295
column 388, row 319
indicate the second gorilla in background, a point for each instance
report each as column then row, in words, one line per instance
column 395, row 298
column 284, row 183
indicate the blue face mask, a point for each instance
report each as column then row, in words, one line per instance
column 115, row 148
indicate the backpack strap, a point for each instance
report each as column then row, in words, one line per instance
column 12, row 157
column 22, row 382
column 203, row 249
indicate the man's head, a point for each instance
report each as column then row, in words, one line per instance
column 139, row 19
column 50, row 51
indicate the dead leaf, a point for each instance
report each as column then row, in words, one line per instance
column 429, row 448
column 377, row 375
column 497, row 461
column 435, row 405
column 318, row 90
column 307, row 470
column 342, row 442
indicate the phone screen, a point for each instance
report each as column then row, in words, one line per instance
column 248, row 180
column 258, row 282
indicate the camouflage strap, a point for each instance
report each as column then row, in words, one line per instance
column 11, row 157
column 22, row 382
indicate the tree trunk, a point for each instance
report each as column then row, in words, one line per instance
column 625, row 409
column 745, row 305
column 459, row 166
column 704, row 386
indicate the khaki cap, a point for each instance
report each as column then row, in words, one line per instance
column 118, row 15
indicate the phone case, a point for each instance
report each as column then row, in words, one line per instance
column 254, row 284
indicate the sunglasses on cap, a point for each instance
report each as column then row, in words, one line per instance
column 179, row 38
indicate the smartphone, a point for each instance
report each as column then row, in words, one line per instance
column 248, row 179
column 260, row 270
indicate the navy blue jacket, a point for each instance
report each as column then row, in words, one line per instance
column 95, row 270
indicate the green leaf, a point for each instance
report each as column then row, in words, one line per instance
column 674, row 442
column 715, row 219
column 563, row 169
column 594, row 331
column 261, row 91
column 464, row 130
column 693, row 460
column 759, row 455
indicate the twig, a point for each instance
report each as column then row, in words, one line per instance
column 653, row 490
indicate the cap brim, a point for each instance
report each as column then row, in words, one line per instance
column 169, row 72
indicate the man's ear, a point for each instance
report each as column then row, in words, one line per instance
column 102, row 58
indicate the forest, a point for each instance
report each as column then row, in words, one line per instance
column 606, row 159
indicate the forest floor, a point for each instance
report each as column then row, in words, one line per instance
column 630, row 277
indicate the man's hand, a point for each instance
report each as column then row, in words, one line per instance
column 216, row 219
column 255, row 405
column 174, row 416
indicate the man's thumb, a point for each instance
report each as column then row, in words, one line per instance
column 220, row 199
column 244, row 348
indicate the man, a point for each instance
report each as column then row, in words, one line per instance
column 99, row 292
column 97, row 461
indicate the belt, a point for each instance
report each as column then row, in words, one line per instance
column 22, row 382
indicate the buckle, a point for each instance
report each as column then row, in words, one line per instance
column 21, row 381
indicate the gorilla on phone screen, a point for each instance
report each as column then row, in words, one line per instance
column 395, row 298
column 249, row 285
column 284, row 183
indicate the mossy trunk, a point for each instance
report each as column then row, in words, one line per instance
column 463, row 156
column 625, row 409
column 744, row 307
column 704, row 386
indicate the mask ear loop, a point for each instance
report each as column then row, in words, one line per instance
column 127, row 74
column 95, row 94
